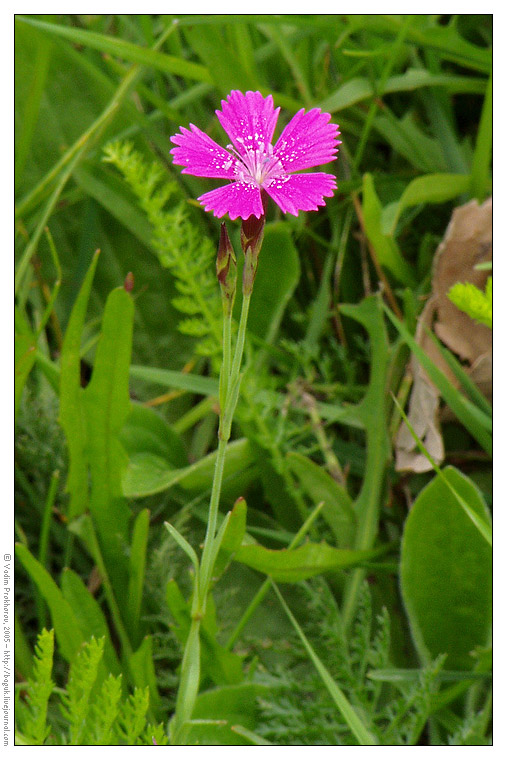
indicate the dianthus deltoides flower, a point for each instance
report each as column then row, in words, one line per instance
column 255, row 165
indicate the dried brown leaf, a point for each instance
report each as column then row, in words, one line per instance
column 467, row 242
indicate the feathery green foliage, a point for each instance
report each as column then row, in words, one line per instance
column 299, row 710
column 76, row 701
column 179, row 244
column 476, row 303
column 93, row 713
column 33, row 713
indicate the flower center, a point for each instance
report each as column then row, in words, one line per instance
column 257, row 166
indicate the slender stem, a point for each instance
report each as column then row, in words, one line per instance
column 229, row 384
column 240, row 343
column 226, row 364
column 213, row 506
column 189, row 685
column 226, row 415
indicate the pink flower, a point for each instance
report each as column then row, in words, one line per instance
column 254, row 164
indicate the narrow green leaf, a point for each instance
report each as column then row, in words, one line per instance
column 385, row 247
column 252, row 737
column 411, row 675
column 107, row 405
column 143, row 671
column 183, row 544
column 292, row 565
column 103, row 187
column 89, row 616
column 232, row 538
column 223, row 65
column 72, row 416
column 320, row 486
column 374, row 413
column 137, row 564
column 348, row 712
column 23, row 654
column 128, row 51
column 84, row 528
column 482, row 526
column 466, row 383
column 67, row 629
column 208, row 561
column 444, row 39
column 432, row 188
column 49, row 369
column 25, row 351
column 206, row 386
column 359, row 89
column 189, row 685
column 41, row 61
column 348, row 94
column 473, row 418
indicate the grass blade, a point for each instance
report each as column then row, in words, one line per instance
column 124, row 49
column 473, row 418
column 363, row 736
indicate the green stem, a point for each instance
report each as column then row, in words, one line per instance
column 224, row 432
column 240, row 343
column 226, row 364
column 229, row 384
column 213, row 509
column 189, row 685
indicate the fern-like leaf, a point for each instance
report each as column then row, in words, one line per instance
column 180, row 246
column 75, row 706
column 105, row 711
column 132, row 719
column 474, row 302
column 40, row 687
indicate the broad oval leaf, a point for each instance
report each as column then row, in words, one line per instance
column 148, row 473
column 446, row 574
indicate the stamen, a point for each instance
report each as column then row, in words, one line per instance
column 255, row 166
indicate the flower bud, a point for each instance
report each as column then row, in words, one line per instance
column 226, row 267
column 252, row 235
column 129, row 282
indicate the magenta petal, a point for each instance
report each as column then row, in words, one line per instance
column 237, row 199
column 201, row 156
column 249, row 119
column 301, row 192
column 307, row 140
